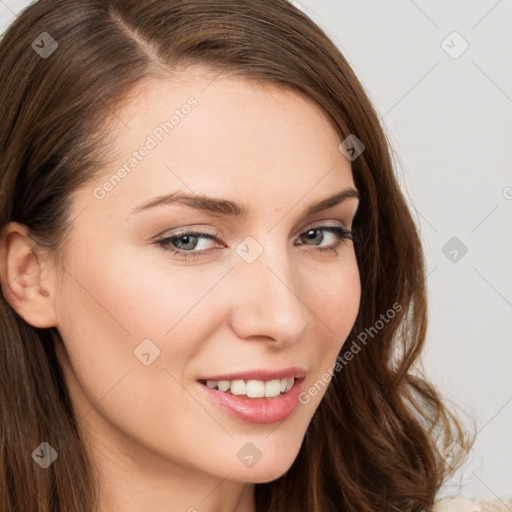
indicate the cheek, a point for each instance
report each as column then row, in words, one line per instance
column 130, row 295
column 334, row 296
column 117, row 306
column 335, row 304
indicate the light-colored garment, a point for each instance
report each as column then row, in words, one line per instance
column 459, row 504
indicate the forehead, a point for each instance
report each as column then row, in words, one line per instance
column 226, row 135
column 226, row 108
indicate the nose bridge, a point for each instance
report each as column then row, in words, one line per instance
column 268, row 293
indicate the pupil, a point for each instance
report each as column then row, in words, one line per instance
column 187, row 239
column 312, row 237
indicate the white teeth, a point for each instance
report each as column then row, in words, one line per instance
column 253, row 388
column 238, row 387
column 272, row 388
column 223, row 385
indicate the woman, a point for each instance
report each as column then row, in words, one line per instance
column 256, row 373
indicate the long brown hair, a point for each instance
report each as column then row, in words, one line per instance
column 376, row 441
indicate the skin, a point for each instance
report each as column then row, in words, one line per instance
column 155, row 439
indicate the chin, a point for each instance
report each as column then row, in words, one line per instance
column 264, row 471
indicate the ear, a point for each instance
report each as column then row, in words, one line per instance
column 27, row 283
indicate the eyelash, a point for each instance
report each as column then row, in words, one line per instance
column 342, row 233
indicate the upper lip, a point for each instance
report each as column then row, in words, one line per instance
column 260, row 374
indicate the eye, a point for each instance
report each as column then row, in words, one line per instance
column 183, row 243
column 340, row 232
column 187, row 243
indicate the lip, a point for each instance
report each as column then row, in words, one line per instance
column 260, row 374
column 255, row 410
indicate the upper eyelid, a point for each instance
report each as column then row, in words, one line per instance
column 215, row 234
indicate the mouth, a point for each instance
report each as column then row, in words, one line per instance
column 252, row 400
column 252, row 388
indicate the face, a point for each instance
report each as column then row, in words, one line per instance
column 155, row 299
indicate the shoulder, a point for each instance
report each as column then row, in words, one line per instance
column 459, row 504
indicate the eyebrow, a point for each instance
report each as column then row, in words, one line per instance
column 229, row 208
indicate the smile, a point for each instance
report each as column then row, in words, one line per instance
column 252, row 388
column 254, row 401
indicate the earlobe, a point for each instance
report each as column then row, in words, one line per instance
column 26, row 282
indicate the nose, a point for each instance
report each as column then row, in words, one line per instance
column 268, row 301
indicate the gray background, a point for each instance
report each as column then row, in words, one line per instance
column 448, row 115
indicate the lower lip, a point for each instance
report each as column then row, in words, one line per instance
column 256, row 410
